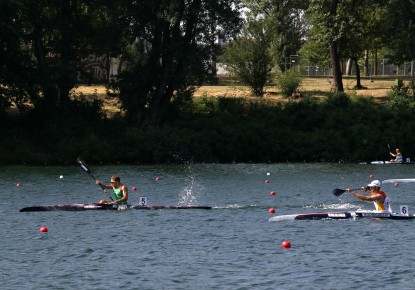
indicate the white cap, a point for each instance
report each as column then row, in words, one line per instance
column 376, row 183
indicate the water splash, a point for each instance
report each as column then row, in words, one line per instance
column 188, row 195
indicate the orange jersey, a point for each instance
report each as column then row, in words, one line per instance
column 381, row 205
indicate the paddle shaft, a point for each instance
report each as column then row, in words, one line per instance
column 390, row 151
column 85, row 168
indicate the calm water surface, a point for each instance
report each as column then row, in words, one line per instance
column 232, row 246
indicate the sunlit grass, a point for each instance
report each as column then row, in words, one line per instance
column 374, row 87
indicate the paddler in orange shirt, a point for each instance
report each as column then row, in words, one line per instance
column 379, row 198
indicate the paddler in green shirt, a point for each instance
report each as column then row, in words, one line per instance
column 120, row 191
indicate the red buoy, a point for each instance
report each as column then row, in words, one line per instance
column 396, row 184
column 18, row 185
column 286, row 244
column 134, row 188
column 43, row 229
column 157, row 178
column 267, row 181
column 271, row 210
column 371, row 176
column 272, row 193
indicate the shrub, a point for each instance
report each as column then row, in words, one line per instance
column 289, row 82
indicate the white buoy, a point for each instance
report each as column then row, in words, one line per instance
column 61, row 176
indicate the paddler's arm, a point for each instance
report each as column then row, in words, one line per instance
column 364, row 197
column 103, row 186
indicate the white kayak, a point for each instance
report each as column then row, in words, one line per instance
column 385, row 162
column 343, row 215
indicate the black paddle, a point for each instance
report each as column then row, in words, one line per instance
column 85, row 168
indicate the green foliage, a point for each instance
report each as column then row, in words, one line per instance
column 169, row 48
column 401, row 97
column 337, row 128
column 289, row 82
column 285, row 24
column 249, row 57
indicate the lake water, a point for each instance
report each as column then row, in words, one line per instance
column 232, row 246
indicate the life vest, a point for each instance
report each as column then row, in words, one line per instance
column 385, row 204
column 118, row 194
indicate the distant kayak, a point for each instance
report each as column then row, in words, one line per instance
column 93, row 206
column 386, row 162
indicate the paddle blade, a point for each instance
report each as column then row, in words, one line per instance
column 83, row 166
column 338, row 191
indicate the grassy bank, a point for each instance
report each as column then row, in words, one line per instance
column 377, row 88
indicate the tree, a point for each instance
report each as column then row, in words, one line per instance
column 349, row 28
column 15, row 63
column 328, row 26
column 399, row 30
column 283, row 20
column 249, row 56
column 169, row 52
column 47, row 39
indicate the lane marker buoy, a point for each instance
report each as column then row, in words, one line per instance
column 286, row 244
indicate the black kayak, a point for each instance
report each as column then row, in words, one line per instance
column 94, row 206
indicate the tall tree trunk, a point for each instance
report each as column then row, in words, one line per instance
column 375, row 62
column 366, row 65
column 349, row 65
column 337, row 73
column 66, row 84
column 358, row 82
